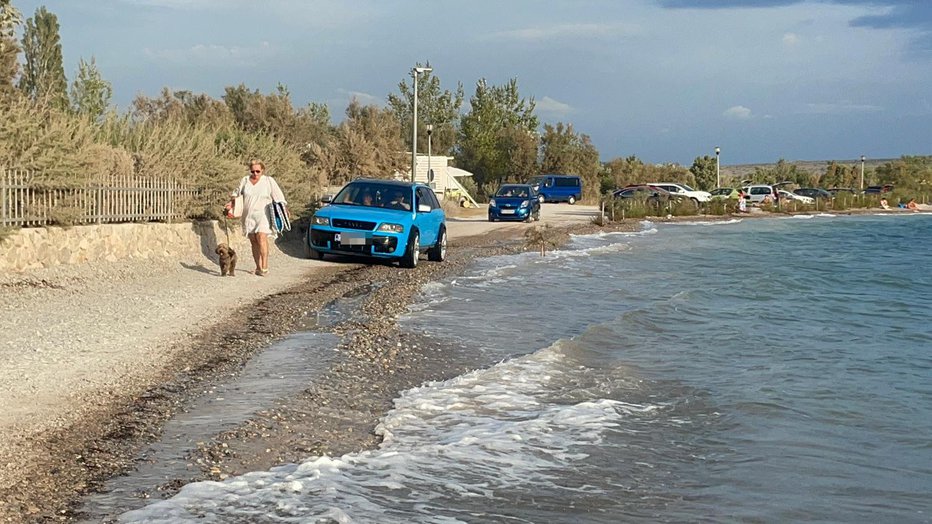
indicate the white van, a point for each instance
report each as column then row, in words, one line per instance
column 759, row 192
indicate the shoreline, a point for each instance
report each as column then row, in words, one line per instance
column 334, row 416
column 50, row 473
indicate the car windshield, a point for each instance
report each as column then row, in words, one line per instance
column 687, row 188
column 372, row 194
column 722, row 191
column 513, row 191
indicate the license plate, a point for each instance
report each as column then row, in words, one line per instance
column 508, row 211
column 350, row 239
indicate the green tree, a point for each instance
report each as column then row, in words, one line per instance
column 912, row 173
column 371, row 142
column 90, row 93
column 839, row 175
column 519, row 148
column 704, row 170
column 480, row 147
column 44, row 71
column 10, row 19
column 441, row 108
column 184, row 106
column 565, row 151
column 632, row 170
column 275, row 115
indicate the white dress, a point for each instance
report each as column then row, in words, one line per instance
column 256, row 200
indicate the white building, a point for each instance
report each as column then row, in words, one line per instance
column 445, row 182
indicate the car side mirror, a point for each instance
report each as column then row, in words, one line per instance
column 423, row 208
column 326, row 199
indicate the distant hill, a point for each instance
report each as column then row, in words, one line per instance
column 743, row 171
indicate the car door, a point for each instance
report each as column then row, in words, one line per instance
column 428, row 221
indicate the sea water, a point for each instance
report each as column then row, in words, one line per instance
column 772, row 370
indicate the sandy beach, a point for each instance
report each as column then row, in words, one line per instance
column 97, row 358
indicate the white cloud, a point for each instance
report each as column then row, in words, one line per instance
column 363, row 98
column 737, row 113
column 561, row 31
column 213, row 55
column 839, row 108
column 551, row 107
column 791, row 39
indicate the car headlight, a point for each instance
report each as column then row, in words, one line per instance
column 391, row 228
column 492, row 203
column 525, row 203
column 321, row 221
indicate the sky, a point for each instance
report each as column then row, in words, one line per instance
column 664, row 80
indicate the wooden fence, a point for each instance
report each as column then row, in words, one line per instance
column 24, row 202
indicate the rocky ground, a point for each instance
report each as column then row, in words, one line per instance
column 94, row 360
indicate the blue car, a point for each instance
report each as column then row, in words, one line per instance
column 514, row 202
column 383, row 219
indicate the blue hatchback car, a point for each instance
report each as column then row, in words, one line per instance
column 514, row 202
column 383, row 219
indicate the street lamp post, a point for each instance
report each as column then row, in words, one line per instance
column 862, row 173
column 414, row 72
column 430, row 129
column 718, row 179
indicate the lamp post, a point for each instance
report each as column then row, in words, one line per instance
column 862, row 173
column 414, row 72
column 718, row 180
column 430, row 129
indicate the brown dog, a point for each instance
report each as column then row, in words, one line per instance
column 227, row 260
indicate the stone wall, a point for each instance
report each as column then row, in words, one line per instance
column 32, row 248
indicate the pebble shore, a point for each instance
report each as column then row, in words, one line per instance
column 95, row 359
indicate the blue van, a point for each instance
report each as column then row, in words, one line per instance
column 557, row 188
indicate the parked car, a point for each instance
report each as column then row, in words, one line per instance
column 683, row 190
column 383, row 219
column 557, row 188
column 876, row 190
column 514, row 202
column 835, row 191
column 757, row 193
column 650, row 194
column 814, row 192
column 786, row 196
column 724, row 193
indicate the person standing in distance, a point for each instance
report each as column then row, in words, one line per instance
column 259, row 190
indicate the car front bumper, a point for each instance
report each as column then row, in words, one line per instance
column 365, row 243
column 520, row 213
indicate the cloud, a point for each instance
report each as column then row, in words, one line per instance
column 213, row 55
column 551, row 107
column 909, row 14
column 790, row 39
column 563, row 31
column 737, row 113
column 839, row 108
column 363, row 98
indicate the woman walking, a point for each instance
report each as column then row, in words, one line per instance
column 259, row 191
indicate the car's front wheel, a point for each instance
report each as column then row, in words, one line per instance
column 413, row 251
column 438, row 253
column 572, row 200
column 310, row 252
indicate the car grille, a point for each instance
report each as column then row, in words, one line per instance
column 353, row 224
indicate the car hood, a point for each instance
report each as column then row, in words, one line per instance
column 371, row 214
